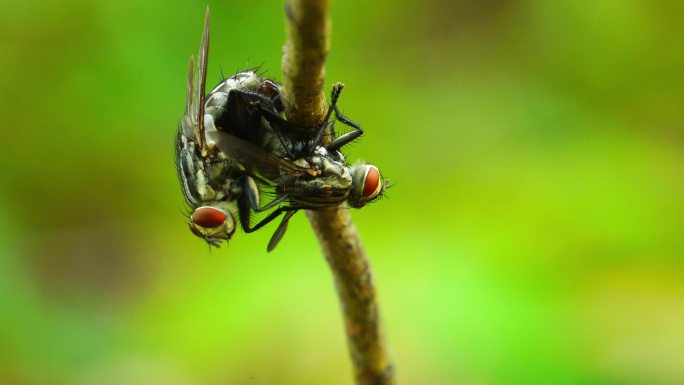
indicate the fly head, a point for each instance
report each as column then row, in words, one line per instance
column 213, row 224
column 367, row 185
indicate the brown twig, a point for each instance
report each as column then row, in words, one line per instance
column 304, row 56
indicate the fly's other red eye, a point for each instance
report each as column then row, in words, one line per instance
column 208, row 217
column 372, row 182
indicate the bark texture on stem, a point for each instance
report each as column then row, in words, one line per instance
column 304, row 54
column 304, row 57
column 354, row 283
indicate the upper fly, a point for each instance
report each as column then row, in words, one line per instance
column 305, row 173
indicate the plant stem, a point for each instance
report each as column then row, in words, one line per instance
column 304, row 57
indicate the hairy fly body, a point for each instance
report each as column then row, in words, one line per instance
column 305, row 173
column 212, row 182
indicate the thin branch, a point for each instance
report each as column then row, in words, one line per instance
column 306, row 49
column 304, row 56
column 350, row 266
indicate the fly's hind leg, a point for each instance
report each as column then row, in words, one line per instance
column 245, row 220
column 268, row 109
column 280, row 124
column 249, row 202
column 250, row 192
column 245, row 216
column 280, row 231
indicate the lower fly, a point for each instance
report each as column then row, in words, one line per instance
column 207, row 177
column 212, row 182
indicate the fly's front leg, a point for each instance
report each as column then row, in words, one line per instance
column 350, row 136
column 325, row 126
column 339, row 142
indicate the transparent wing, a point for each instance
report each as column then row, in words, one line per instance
column 193, row 120
column 189, row 89
column 255, row 158
column 202, row 59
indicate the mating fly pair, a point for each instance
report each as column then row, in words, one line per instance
column 234, row 144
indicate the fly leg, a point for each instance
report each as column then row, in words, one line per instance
column 268, row 109
column 281, row 122
column 277, row 123
column 252, row 106
column 245, row 217
column 280, row 231
column 344, row 139
column 249, row 201
column 251, row 192
column 350, row 136
column 334, row 95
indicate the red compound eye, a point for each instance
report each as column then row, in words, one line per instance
column 208, row 217
column 372, row 183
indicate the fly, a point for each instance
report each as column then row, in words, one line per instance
column 212, row 182
column 305, row 173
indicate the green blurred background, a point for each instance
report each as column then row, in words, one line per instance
column 534, row 233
